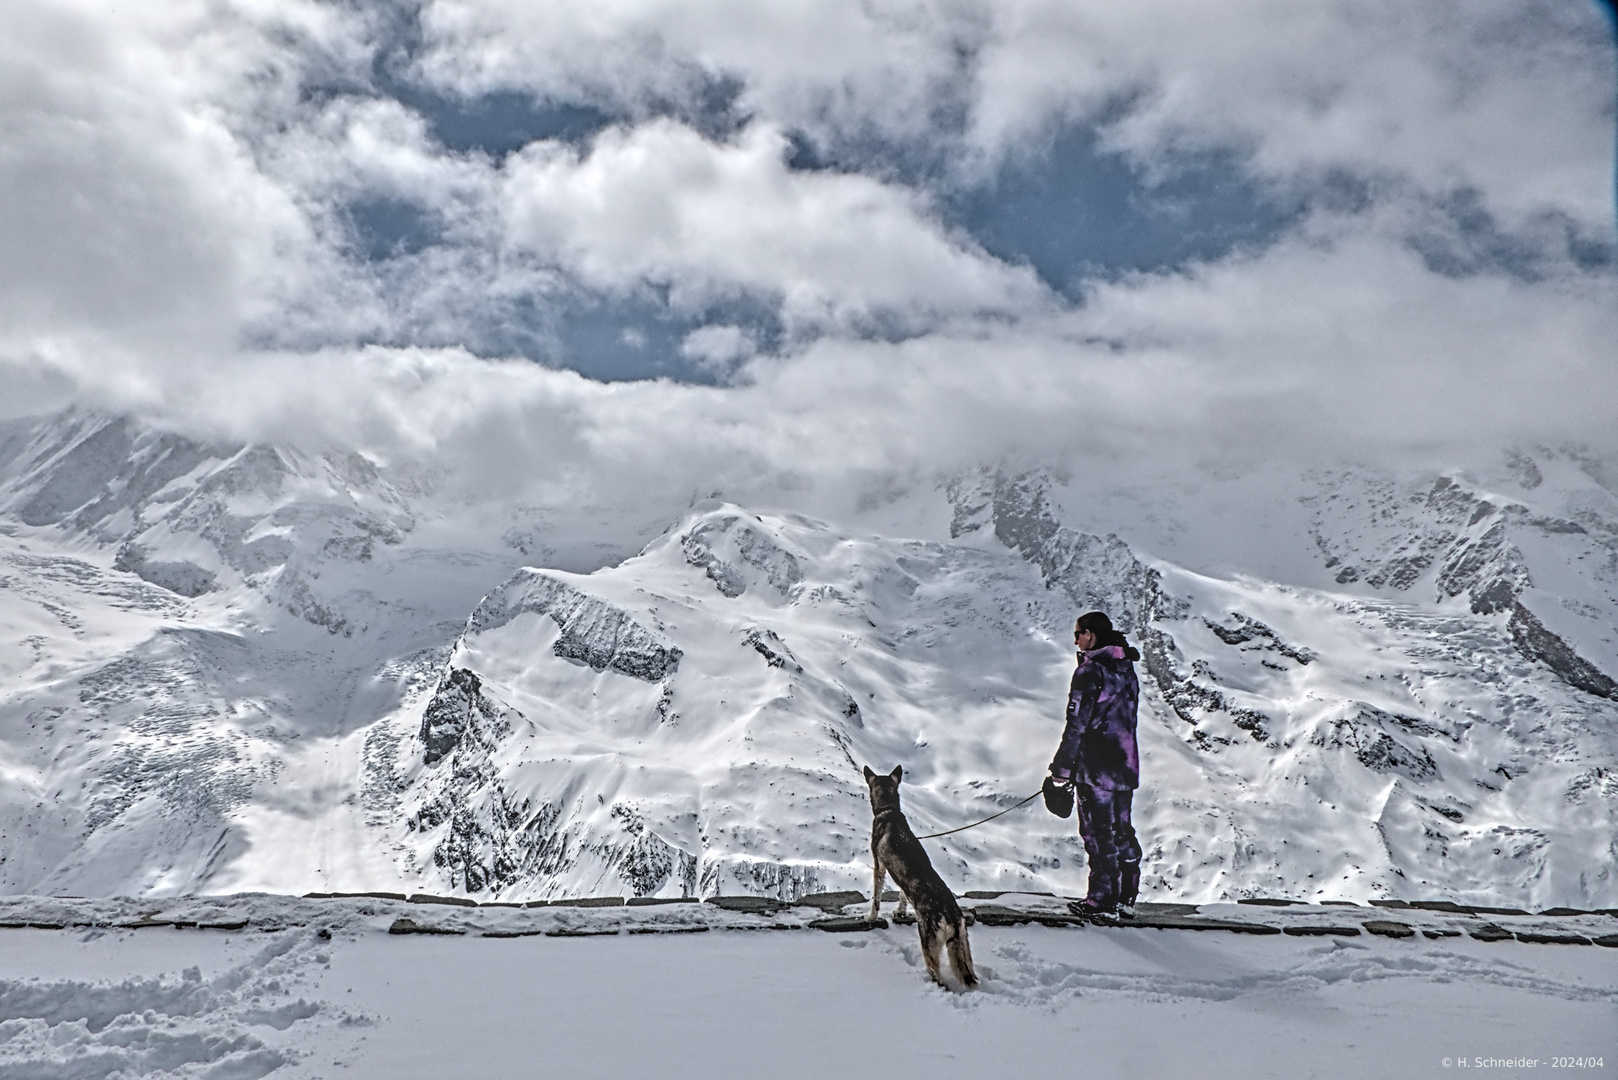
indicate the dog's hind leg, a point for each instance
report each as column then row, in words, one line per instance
column 960, row 955
column 878, row 874
column 899, row 912
column 932, row 941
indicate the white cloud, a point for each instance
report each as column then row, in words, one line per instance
column 816, row 63
column 171, row 187
column 660, row 204
column 718, row 348
column 1512, row 99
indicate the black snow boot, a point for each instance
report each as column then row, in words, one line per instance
column 1128, row 888
column 1102, row 897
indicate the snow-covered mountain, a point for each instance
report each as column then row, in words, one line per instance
column 258, row 667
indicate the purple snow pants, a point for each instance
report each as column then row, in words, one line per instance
column 1109, row 844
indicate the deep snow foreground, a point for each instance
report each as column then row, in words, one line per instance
column 330, row 993
column 235, row 668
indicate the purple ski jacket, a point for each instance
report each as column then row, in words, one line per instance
column 1098, row 744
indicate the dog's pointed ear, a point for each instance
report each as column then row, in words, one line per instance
column 869, row 775
column 898, row 771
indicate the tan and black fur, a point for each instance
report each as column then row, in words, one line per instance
column 896, row 851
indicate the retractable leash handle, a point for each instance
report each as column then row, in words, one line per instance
column 991, row 817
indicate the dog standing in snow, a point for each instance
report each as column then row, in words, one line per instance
column 896, row 851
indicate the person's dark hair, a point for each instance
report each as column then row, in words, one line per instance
column 1100, row 625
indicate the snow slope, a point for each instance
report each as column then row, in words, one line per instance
column 296, row 988
column 262, row 668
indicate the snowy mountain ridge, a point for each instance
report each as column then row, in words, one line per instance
column 248, row 667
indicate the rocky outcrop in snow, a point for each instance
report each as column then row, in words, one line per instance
column 736, row 555
column 457, row 712
column 1538, row 643
column 1096, row 573
column 185, row 515
column 593, row 632
column 1462, row 542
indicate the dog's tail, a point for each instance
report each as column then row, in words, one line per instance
column 960, row 955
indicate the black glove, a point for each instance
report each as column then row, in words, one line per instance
column 1058, row 797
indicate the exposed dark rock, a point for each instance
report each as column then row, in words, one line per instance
column 1389, row 928
column 1374, row 747
column 830, row 901
column 1463, row 540
column 183, row 578
column 496, row 839
column 768, row 644
column 1384, row 754
column 1099, row 573
column 454, row 901
column 1535, row 937
column 645, row 860
column 1192, row 700
column 1182, row 922
column 1094, row 572
column 1268, row 901
column 410, row 926
column 1144, row 909
column 847, row 923
column 996, row 915
column 1609, row 941
column 649, row 901
column 593, row 632
column 1464, row 909
column 733, row 535
column 1525, row 470
column 1491, row 932
column 590, row 901
column 1322, row 931
column 779, row 882
column 1536, row 642
column 1488, row 569
column 566, row 931
column 1251, row 631
column 457, row 709
column 752, row 905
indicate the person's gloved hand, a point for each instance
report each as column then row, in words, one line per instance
column 1058, row 795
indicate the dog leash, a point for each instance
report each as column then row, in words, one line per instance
column 991, row 817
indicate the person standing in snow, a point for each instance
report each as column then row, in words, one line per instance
column 1098, row 762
